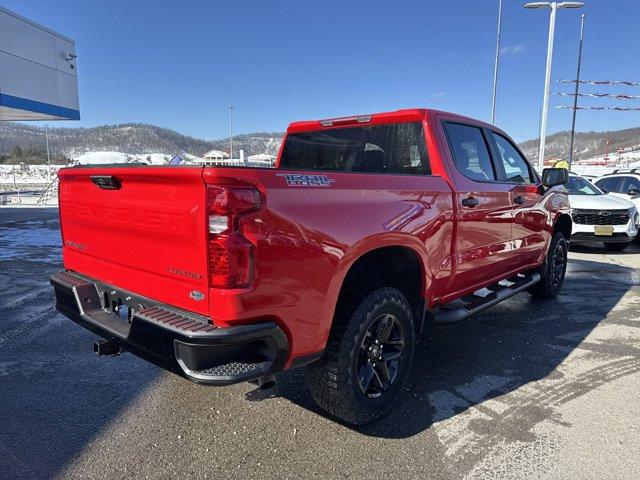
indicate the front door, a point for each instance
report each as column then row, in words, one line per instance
column 485, row 210
column 529, row 232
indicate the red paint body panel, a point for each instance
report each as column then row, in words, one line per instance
column 306, row 240
column 150, row 237
column 133, row 236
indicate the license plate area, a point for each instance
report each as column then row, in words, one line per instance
column 120, row 306
column 603, row 230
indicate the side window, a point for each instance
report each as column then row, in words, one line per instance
column 610, row 184
column 630, row 183
column 470, row 151
column 515, row 167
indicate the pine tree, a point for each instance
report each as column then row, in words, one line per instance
column 17, row 152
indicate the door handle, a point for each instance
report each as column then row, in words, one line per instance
column 519, row 200
column 470, row 202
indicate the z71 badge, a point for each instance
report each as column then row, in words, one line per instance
column 305, row 180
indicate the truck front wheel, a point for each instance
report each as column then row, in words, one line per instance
column 553, row 270
column 367, row 358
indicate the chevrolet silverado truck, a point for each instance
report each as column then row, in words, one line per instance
column 369, row 229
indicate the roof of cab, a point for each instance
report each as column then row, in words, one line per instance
column 404, row 115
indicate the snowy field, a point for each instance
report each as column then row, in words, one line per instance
column 37, row 174
column 93, row 158
column 33, row 174
column 600, row 170
column 601, row 165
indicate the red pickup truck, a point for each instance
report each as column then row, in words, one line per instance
column 369, row 228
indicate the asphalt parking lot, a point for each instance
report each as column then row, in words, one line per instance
column 529, row 389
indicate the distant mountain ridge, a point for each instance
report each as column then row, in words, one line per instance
column 133, row 138
column 139, row 138
column 586, row 145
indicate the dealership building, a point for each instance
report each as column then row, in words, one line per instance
column 38, row 76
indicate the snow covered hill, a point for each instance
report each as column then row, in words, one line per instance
column 136, row 138
column 587, row 145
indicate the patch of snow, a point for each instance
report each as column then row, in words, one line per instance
column 154, row 159
column 37, row 174
column 31, row 174
column 96, row 158
column 599, row 165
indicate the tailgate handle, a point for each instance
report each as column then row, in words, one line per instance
column 106, row 182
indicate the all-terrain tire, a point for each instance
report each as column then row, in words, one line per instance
column 334, row 380
column 553, row 270
column 616, row 247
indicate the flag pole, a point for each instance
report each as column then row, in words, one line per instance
column 575, row 96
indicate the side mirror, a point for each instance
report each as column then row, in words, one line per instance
column 634, row 192
column 554, row 176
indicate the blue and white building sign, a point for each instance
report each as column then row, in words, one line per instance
column 38, row 74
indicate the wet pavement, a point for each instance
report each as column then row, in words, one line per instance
column 529, row 389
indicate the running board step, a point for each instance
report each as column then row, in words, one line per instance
column 478, row 303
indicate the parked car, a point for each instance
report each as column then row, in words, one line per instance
column 591, row 178
column 622, row 184
column 368, row 228
column 599, row 217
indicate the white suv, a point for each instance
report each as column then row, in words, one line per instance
column 599, row 217
column 622, row 184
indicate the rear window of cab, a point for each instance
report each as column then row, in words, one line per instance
column 396, row 148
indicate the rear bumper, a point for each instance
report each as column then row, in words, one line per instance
column 179, row 341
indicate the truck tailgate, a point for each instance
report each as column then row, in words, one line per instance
column 142, row 229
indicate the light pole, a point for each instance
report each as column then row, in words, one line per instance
column 554, row 6
column 46, row 134
column 230, row 132
column 495, row 67
column 575, row 95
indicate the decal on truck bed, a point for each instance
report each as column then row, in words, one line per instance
column 77, row 245
column 306, row 180
column 184, row 273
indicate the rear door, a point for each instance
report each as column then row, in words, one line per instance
column 631, row 189
column 142, row 229
column 485, row 211
column 612, row 185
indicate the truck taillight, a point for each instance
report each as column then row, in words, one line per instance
column 230, row 253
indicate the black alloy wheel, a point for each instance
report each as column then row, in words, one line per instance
column 380, row 354
column 367, row 358
column 553, row 270
column 558, row 264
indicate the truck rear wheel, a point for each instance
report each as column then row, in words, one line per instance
column 553, row 270
column 367, row 358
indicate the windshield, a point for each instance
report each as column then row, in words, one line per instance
column 581, row 186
